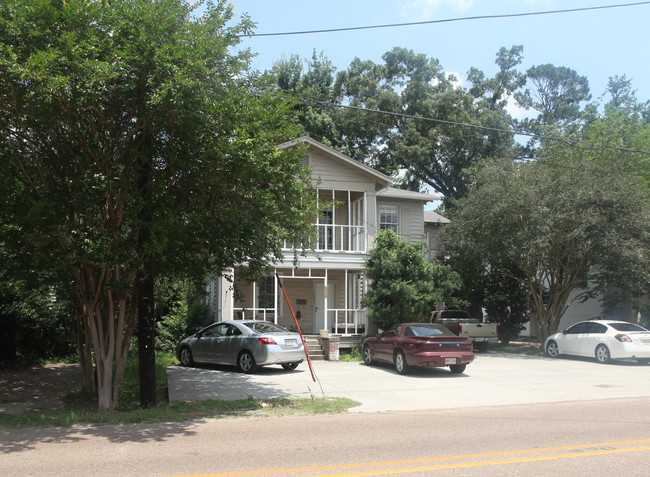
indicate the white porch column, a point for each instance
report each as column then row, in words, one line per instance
column 226, row 298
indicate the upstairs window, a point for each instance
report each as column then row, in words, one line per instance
column 388, row 218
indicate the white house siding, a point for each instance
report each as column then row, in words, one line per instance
column 410, row 213
column 326, row 288
column 329, row 173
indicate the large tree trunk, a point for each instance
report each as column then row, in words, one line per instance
column 108, row 318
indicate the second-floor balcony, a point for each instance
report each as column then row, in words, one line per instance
column 341, row 223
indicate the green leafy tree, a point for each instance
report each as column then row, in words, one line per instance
column 556, row 92
column 506, row 300
column 404, row 285
column 134, row 143
column 571, row 226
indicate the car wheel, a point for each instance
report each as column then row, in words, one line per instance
column 367, row 355
column 552, row 350
column 400, row 363
column 186, row 357
column 457, row 368
column 602, row 354
column 482, row 347
column 246, row 362
column 290, row 366
column 643, row 360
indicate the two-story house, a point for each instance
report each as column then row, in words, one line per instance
column 326, row 288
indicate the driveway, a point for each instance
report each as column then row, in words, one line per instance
column 492, row 379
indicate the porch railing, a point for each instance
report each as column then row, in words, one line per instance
column 250, row 313
column 347, row 321
column 337, row 238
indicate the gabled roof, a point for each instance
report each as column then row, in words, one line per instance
column 431, row 217
column 342, row 157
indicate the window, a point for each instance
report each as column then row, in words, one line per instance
column 266, row 297
column 325, row 230
column 578, row 328
column 388, row 218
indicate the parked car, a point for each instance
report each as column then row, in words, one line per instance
column 419, row 344
column 246, row 344
column 603, row 339
column 459, row 323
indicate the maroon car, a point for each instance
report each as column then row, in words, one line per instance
column 419, row 344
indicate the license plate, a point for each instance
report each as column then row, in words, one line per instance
column 450, row 360
column 291, row 342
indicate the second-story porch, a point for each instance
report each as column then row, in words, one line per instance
column 341, row 224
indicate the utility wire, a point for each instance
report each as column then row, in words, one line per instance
column 479, row 127
column 449, row 20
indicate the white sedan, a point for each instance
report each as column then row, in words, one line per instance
column 603, row 339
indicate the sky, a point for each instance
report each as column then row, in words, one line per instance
column 597, row 44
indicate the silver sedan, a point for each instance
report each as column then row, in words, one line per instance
column 601, row 339
column 246, row 344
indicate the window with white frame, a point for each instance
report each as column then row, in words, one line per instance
column 388, row 218
column 266, row 296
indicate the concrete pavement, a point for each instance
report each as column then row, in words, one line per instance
column 492, row 379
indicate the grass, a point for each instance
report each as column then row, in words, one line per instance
column 176, row 412
column 81, row 409
column 353, row 355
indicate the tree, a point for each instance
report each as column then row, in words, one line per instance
column 556, row 93
column 134, row 143
column 404, row 286
column 570, row 224
column 506, row 300
column 310, row 88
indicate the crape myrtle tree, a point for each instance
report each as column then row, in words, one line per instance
column 134, row 144
column 569, row 224
column 404, row 286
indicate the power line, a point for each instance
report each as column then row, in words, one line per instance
column 449, row 20
column 479, row 127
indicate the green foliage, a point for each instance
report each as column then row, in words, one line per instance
column 35, row 326
column 556, row 93
column 565, row 222
column 506, row 300
column 404, row 286
column 134, row 140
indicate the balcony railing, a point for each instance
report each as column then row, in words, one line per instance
column 338, row 238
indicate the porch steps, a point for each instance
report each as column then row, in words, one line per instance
column 314, row 348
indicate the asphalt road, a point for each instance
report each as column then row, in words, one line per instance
column 536, row 416
column 595, row 438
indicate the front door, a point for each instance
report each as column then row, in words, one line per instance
column 319, row 306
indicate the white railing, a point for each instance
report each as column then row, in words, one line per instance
column 337, row 238
column 342, row 321
column 251, row 313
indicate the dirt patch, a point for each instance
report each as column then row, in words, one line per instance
column 38, row 387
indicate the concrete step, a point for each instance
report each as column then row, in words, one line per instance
column 314, row 348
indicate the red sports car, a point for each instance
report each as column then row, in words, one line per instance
column 419, row 344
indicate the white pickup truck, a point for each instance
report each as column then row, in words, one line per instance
column 459, row 322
